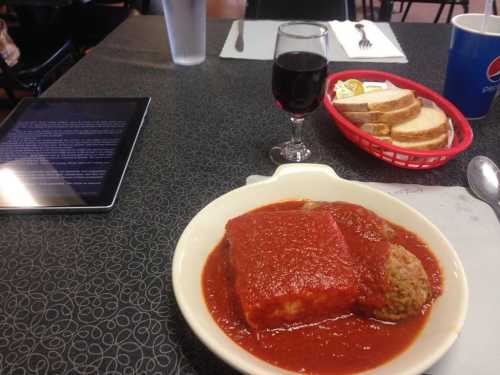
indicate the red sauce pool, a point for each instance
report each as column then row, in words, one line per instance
column 344, row 345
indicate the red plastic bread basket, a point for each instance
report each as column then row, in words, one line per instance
column 394, row 155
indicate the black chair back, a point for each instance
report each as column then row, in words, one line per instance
column 320, row 10
column 43, row 60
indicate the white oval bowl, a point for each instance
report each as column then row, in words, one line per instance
column 315, row 182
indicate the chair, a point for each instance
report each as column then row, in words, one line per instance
column 443, row 3
column 320, row 10
column 382, row 14
column 91, row 22
column 44, row 58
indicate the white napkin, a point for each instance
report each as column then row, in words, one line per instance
column 259, row 40
column 474, row 231
column 260, row 37
column 349, row 37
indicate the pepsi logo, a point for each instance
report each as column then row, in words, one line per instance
column 493, row 71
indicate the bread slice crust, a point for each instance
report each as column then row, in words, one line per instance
column 393, row 117
column 383, row 101
column 427, row 145
column 430, row 123
column 383, row 138
column 376, row 128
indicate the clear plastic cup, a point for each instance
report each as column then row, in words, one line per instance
column 186, row 26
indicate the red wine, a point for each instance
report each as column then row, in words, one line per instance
column 299, row 81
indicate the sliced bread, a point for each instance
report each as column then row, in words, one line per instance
column 384, row 138
column 430, row 144
column 383, row 100
column 428, row 124
column 391, row 117
column 376, row 128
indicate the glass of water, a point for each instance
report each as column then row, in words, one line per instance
column 186, row 26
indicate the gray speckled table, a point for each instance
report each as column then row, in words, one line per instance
column 86, row 294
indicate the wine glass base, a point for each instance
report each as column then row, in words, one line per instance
column 291, row 152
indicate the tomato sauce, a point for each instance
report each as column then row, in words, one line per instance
column 363, row 231
column 342, row 345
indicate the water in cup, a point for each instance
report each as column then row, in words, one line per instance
column 186, row 25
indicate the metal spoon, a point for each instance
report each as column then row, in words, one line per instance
column 484, row 180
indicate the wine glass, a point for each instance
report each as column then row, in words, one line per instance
column 299, row 73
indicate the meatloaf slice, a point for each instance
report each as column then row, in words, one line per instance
column 290, row 267
column 364, row 232
column 392, row 280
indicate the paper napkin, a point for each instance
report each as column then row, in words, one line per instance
column 349, row 36
column 260, row 37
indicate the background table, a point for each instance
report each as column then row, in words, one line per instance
column 84, row 294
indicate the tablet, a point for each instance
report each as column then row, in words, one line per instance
column 67, row 154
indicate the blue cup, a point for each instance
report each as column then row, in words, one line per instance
column 473, row 73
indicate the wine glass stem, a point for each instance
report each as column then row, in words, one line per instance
column 297, row 129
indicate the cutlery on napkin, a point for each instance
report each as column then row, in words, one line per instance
column 260, row 40
column 348, row 36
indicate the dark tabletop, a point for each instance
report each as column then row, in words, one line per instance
column 85, row 294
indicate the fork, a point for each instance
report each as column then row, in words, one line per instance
column 364, row 43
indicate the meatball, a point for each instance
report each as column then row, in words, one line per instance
column 407, row 286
